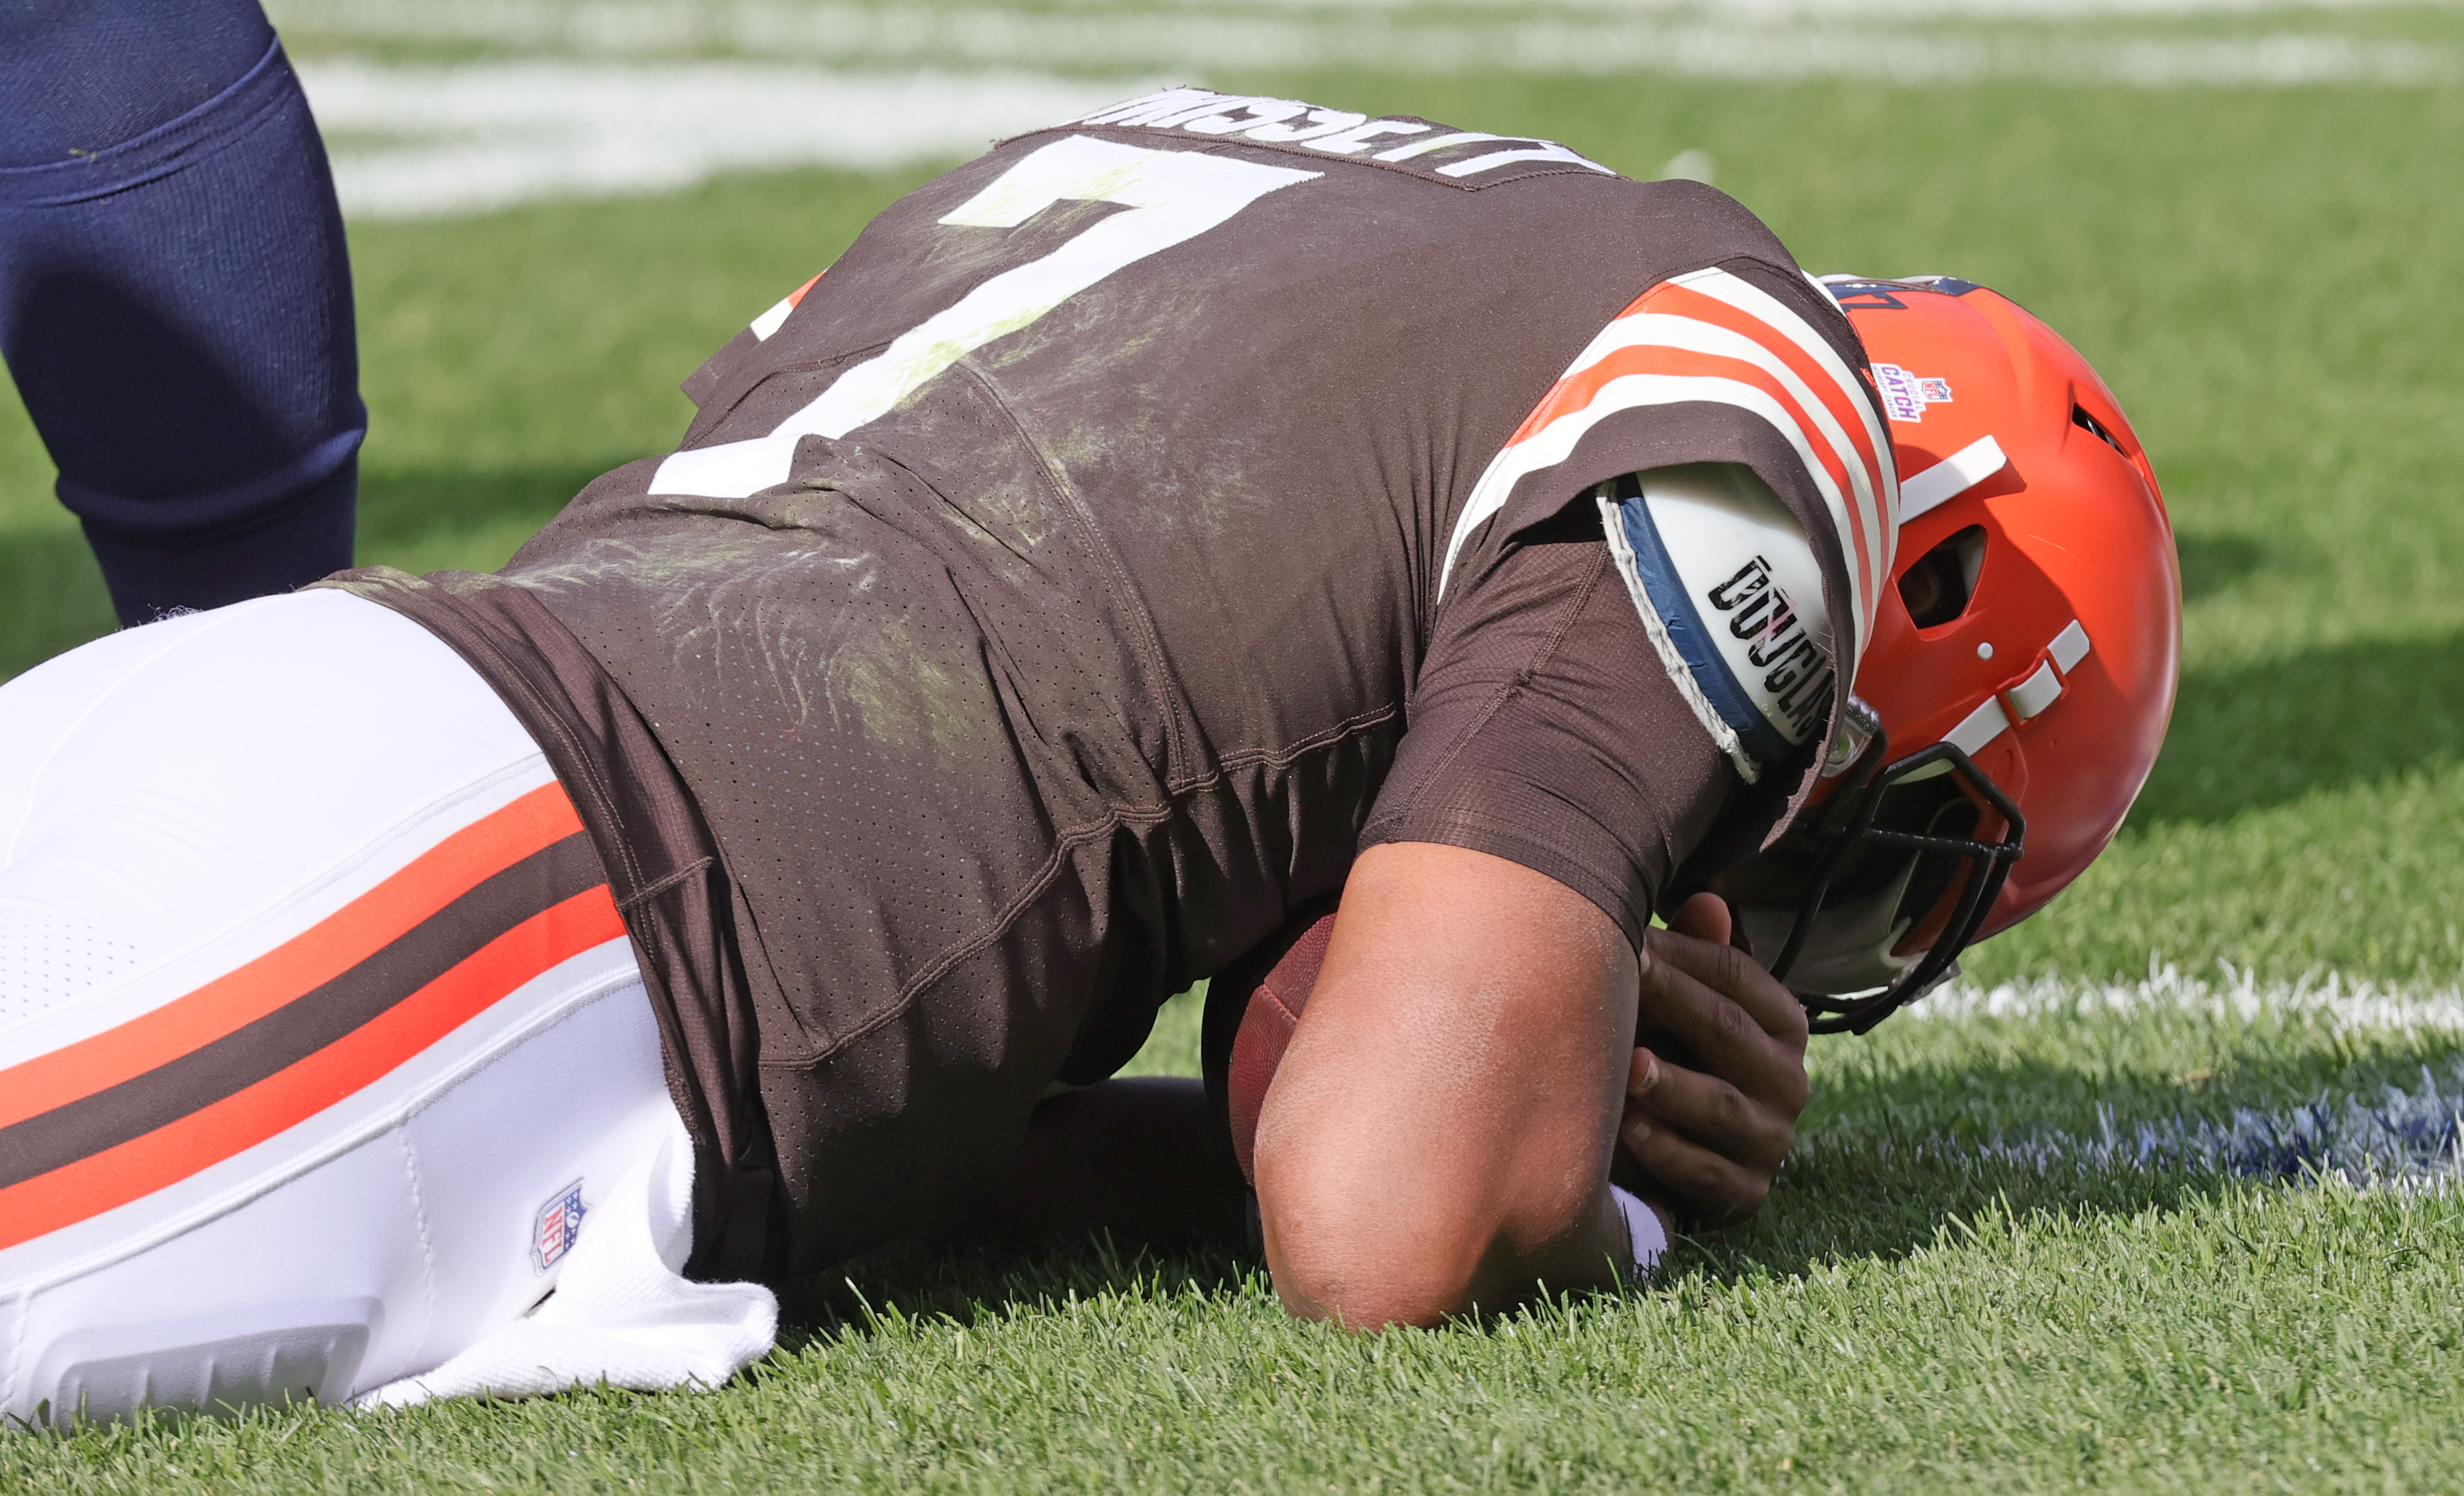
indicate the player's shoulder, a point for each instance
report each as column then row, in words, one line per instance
column 1726, row 428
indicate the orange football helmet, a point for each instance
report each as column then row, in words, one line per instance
column 2021, row 671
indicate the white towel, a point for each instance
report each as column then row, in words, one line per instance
column 622, row 1312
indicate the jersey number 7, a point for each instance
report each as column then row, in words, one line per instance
column 1171, row 197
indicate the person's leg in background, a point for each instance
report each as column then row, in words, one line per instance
column 175, row 297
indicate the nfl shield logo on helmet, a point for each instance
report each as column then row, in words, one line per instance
column 1905, row 394
column 554, row 1227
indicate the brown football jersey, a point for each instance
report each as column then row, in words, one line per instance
column 1134, row 524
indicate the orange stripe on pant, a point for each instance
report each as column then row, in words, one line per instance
column 132, row 1170
column 318, row 955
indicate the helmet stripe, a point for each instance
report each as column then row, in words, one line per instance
column 1955, row 475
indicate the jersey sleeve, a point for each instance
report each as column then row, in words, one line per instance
column 1544, row 729
column 1747, row 366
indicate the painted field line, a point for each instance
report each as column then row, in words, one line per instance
column 2235, row 997
column 1082, row 41
column 633, row 20
column 2402, row 1136
column 475, row 136
column 1901, row 9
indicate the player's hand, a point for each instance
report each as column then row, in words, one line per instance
column 1711, row 1107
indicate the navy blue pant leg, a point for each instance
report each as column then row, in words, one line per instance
column 175, row 297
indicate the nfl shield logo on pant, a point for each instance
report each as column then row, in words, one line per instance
column 554, row 1227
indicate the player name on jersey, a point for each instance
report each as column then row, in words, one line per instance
column 1459, row 156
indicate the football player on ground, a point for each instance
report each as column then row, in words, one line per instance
column 1144, row 536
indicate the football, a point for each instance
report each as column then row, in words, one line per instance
column 1251, row 1008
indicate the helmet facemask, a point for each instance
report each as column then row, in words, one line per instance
column 1866, row 903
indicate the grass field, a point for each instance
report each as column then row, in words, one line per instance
column 2157, row 1199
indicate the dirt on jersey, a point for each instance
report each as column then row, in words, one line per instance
column 1036, row 613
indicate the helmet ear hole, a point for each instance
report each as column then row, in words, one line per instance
column 2096, row 428
column 1938, row 587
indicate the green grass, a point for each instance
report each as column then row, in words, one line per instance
column 1901, row 1317
column 2018, row 1351
column 2266, row 279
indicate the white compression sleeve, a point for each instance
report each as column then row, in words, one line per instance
column 1643, row 1223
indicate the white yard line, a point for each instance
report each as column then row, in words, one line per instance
column 1790, row 42
column 2401, row 1136
column 646, row 95
column 469, row 137
column 626, row 20
column 1890, row 9
column 2405, row 1136
column 2233, row 997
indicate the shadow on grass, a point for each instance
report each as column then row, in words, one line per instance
column 1892, row 1176
column 2251, row 736
column 969, row 1287
column 422, row 509
column 2211, row 563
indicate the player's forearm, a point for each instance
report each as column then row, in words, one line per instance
column 1142, row 1160
column 1437, row 1135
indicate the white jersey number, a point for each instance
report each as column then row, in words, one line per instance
column 1171, row 197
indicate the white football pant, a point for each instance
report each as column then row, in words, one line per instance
column 322, row 1049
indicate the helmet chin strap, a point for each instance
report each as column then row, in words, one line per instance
column 1851, row 823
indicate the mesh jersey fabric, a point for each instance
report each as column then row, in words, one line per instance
column 1544, row 731
column 1052, row 682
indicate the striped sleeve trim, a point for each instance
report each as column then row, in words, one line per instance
column 1711, row 337
column 771, row 320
